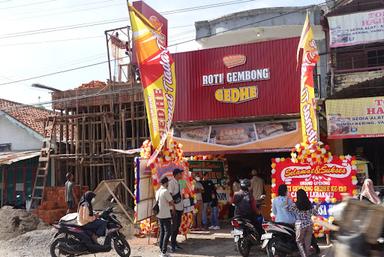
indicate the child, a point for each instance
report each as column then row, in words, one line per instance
column 303, row 211
column 215, row 211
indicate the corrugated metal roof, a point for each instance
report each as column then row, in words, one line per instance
column 277, row 96
column 7, row 158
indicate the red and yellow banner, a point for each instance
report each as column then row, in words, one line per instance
column 307, row 95
column 157, row 73
column 323, row 182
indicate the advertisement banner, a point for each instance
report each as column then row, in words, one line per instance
column 307, row 90
column 215, row 169
column 324, row 183
column 257, row 136
column 356, row 28
column 157, row 74
column 355, row 118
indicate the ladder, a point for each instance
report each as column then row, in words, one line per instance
column 43, row 166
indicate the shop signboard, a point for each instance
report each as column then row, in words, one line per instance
column 215, row 169
column 324, row 183
column 355, row 118
column 255, row 136
column 249, row 80
column 356, row 28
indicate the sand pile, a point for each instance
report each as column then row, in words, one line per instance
column 15, row 222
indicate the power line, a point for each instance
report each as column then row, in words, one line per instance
column 26, row 5
column 208, row 6
column 76, row 26
column 55, row 29
column 50, row 41
column 183, row 42
column 65, row 12
column 52, row 73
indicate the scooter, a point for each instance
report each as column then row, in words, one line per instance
column 245, row 235
column 280, row 240
column 73, row 240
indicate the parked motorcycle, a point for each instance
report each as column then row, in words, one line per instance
column 245, row 235
column 73, row 240
column 280, row 240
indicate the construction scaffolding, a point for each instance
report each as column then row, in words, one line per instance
column 96, row 120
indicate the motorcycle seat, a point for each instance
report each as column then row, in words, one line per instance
column 285, row 224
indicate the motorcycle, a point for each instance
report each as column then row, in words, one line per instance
column 72, row 240
column 245, row 235
column 280, row 240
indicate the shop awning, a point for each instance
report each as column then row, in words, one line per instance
column 253, row 137
column 7, row 158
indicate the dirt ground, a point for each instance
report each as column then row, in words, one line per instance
column 203, row 244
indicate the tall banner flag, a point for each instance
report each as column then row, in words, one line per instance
column 157, row 73
column 307, row 95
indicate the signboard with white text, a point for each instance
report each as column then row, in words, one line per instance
column 356, row 28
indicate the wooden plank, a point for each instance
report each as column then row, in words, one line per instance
column 119, row 203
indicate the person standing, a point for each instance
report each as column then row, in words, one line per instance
column 215, row 211
column 257, row 185
column 199, row 202
column 303, row 211
column 279, row 207
column 207, row 197
column 69, row 196
column 175, row 191
column 166, row 205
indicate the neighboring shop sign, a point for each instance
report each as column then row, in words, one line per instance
column 355, row 118
column 239, row 136
column 323, row 183
column 215, row 169
column 357, row 28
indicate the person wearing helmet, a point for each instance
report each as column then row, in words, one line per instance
column 243, row 205
column 87, row 218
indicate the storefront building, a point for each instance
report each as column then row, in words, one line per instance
column 238, row 102
column 354, row 107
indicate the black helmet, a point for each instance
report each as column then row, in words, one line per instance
column 245, row 183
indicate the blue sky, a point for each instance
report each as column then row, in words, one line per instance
column 34, row 55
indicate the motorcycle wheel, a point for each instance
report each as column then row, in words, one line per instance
column 121, row 246
column 56, row 252
column 272, row 252
column 243, row 246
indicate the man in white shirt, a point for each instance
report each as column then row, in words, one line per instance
column 174, row 189
column 165, row 202
column 257, row 185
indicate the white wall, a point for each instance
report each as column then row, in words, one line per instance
column 20, row 138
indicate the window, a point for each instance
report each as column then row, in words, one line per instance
column 5, row 147
column 375, row 58
column 359, row 57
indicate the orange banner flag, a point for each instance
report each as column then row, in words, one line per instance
column 307, row 94
column 157, row 73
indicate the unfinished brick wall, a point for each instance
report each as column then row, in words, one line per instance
column 53, row 205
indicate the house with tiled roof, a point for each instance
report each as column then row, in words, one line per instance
column 21, row 138
column 21, row 126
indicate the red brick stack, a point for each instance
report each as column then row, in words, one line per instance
column 53, row 205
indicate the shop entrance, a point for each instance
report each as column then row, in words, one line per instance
column 241, row 165
column 369, row 149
